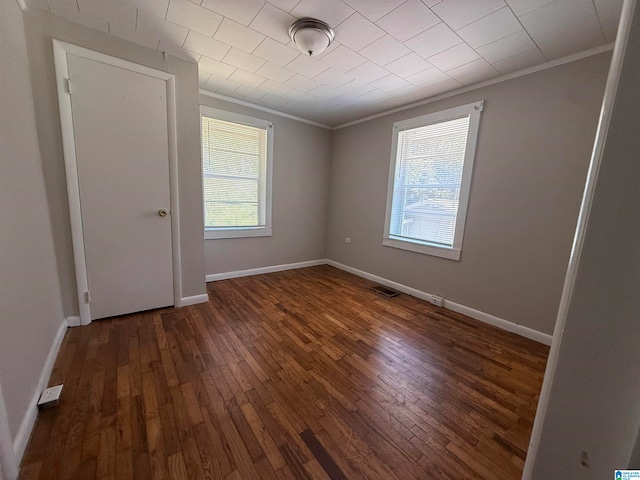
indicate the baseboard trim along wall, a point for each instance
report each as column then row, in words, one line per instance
column 456, row 307
column 26, row 426
column 73, row 321
column 214, row 277
column 186, row 301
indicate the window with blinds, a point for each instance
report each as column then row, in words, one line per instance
column 236, row 171
column 429, row 181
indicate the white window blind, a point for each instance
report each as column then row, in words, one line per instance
column 428, row 174
column 234, row 158
column 430, row 181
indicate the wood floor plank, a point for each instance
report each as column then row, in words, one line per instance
column 302, row 374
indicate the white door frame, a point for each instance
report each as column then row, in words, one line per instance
column 60, row 51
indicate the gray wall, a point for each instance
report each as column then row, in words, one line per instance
column 30, row 306
column 535, row 140
column 41, row 28
column 301, row 162
column 594, row 403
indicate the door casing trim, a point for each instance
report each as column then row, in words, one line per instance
column 60, row 51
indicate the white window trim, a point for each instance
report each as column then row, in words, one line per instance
column 241, row 232
column 454, row 252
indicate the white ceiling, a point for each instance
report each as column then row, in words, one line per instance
column 387, row 53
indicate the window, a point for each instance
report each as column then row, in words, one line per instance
column 429, row 181
column 237, row 156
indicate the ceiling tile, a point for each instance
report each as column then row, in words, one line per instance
column 441, row 87
column 325, row 92
column 428, row 77
column 493, row 27
column 454, row 57
column 198, row 43
column 179, row 52
column 458, row 13
column 520, row 62
column 333, row 78
column 302, row 83
column 473, row 72
column 433, row 41
column 286, row 5
column 274, row 72
column 162, row 30
column 242, row 11
column 368, row 72
column 275, row 52
column 374, row 96
column 236, row 35
column 343, row 59
column 507, row 47
column 298, row 96
column 390, row 83
column 374, row 10
column 190, row 15
column 355, row 87
column 156, row 8
column 247, row 78
column 221, row 84
column 249, row 92
column 274, row 23
column 203, row 77
column 357, row 32
column 243, row 60
column 408, row 20
column 557, row 15
column 576, row 37
column 274, row 100
column 384, row 50
column 213, row 66
column 307, row 66
column 408, row 65
column 274, row 87
column 69, row 9
column 332, row 12
column 431, row 3
column 520, row 7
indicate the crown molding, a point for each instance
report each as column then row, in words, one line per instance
column 520, row 73
column 264, row 109
column 503, row 78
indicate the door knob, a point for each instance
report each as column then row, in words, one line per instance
column 162, row 212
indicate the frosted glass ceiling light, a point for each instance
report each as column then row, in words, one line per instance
column 311, row 36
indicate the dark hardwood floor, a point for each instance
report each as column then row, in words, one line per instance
column 303, row 374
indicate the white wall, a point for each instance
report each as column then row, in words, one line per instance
column 594, row 401
column 534, row 145
column 301, row 162
column 30, row 306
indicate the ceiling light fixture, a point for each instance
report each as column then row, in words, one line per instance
column 311, row 36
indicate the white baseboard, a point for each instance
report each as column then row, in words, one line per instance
column 26, row 426
column 73, row 321
column 214, row 277
column 194, row 300
column 456, row 307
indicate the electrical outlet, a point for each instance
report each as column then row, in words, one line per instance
column 50, row 397
column 347, row 240
column 436, row 300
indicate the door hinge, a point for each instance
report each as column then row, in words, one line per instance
column 68, row 86
column 87, row 297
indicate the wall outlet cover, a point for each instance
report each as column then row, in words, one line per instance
column 50, row 397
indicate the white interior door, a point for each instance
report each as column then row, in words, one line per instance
column 120, row 132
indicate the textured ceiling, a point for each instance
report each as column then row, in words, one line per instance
column 387, row 53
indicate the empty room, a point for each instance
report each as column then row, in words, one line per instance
column 319, row 239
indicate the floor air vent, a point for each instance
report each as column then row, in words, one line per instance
column 387, row 292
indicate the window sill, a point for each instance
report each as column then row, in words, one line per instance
column 237, row 233
column 442, row 252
